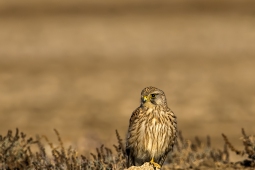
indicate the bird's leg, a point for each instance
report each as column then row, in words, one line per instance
column 156, row 165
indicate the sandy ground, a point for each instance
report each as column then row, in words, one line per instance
column 80, row 67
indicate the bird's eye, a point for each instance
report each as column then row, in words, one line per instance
column 153, row 95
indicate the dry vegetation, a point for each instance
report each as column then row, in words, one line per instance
column 16, row 153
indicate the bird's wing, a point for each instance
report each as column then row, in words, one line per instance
column 173, row 127
column 134, row 115
column 133, row 121
column 130, row 139
column 172, row 138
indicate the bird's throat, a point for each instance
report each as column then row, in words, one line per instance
column 149, row 105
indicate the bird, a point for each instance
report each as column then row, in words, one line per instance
column 152, row 130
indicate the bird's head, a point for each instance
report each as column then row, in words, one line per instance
column 152, row 96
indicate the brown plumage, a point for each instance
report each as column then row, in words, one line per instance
column 152, row 130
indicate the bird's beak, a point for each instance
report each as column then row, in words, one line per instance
column 145, row 98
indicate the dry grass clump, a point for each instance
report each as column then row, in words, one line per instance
column 188, row 154
column 249, row 149
column 16, row 154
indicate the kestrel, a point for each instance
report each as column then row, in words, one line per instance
column 152, row 130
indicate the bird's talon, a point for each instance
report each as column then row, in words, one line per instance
column 155, row 165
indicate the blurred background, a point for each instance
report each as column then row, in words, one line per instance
column 79, row 66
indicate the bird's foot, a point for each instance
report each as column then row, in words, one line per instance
column 155, row 165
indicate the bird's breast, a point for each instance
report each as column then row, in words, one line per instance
column 154, row 135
